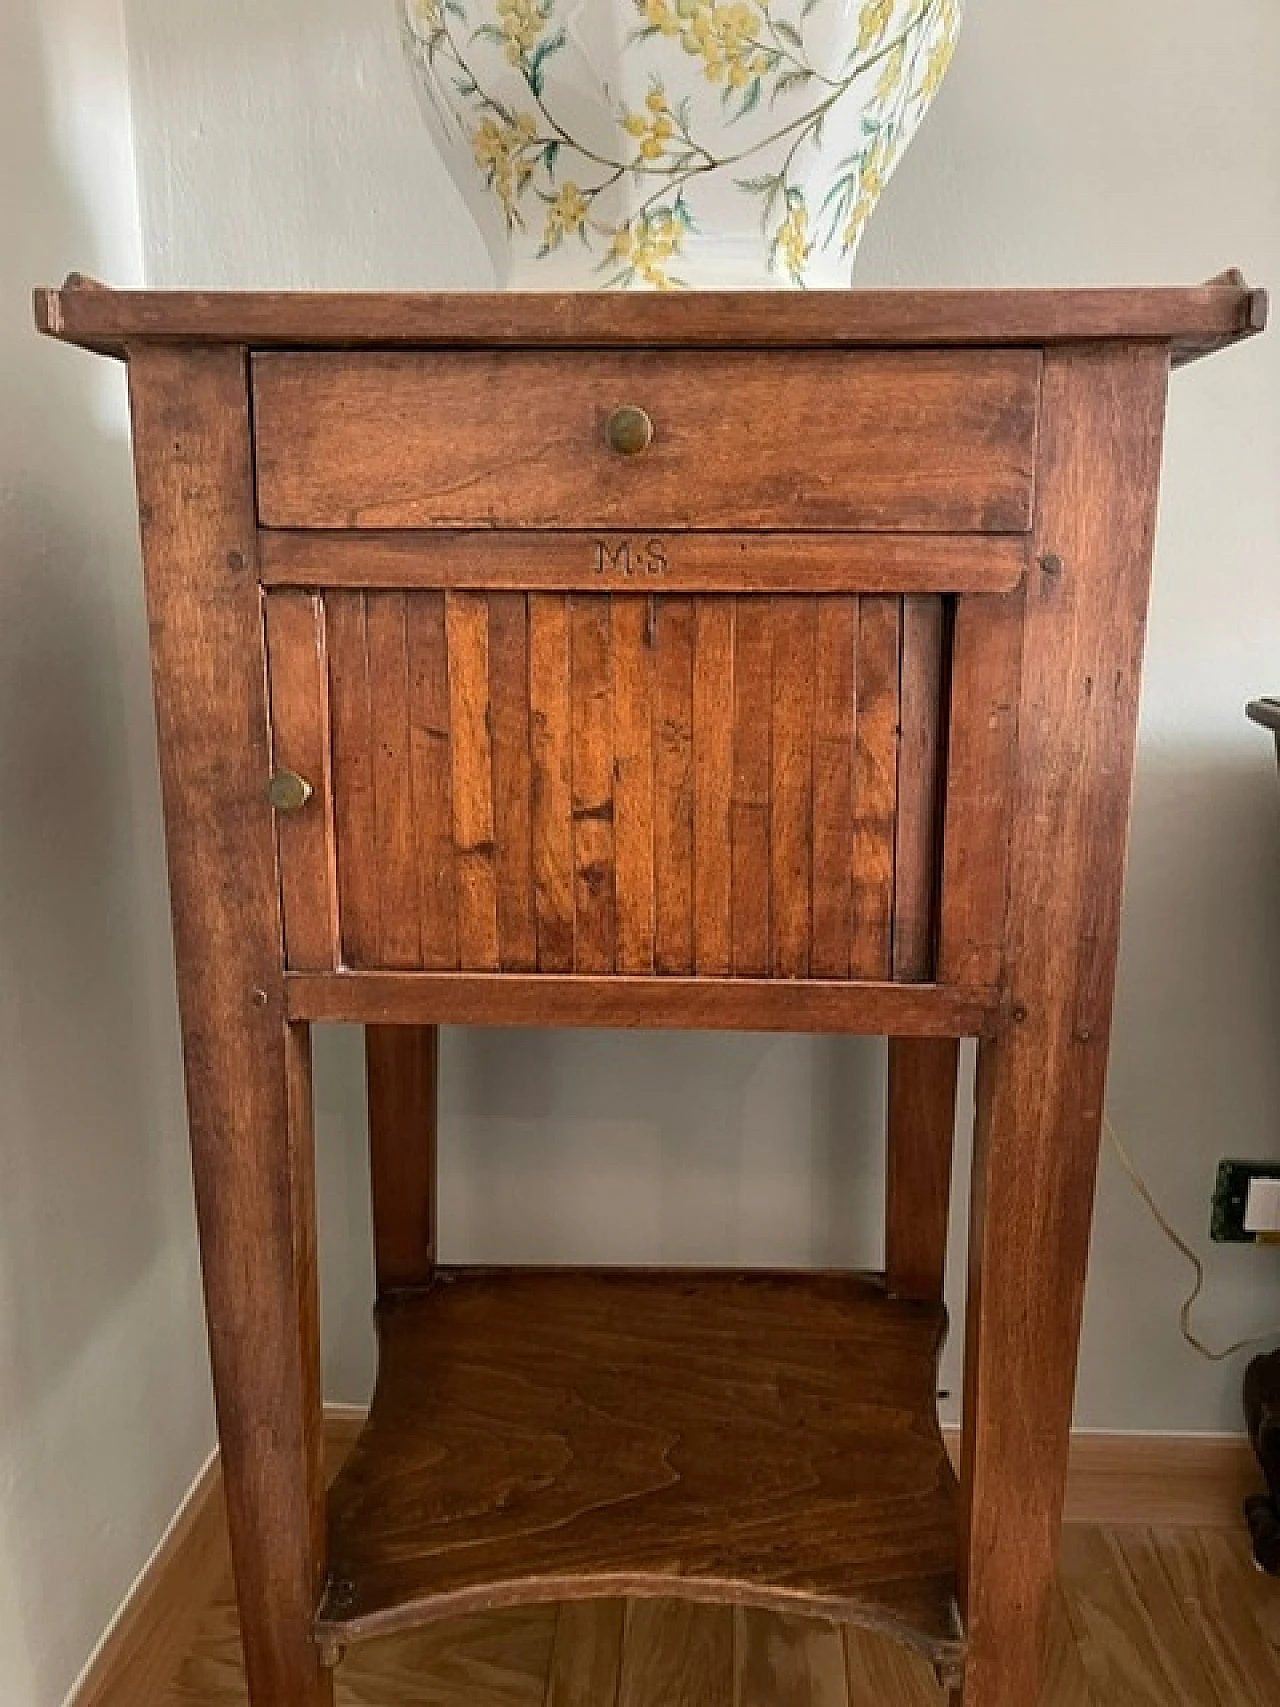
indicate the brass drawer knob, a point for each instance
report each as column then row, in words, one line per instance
column 629, row 430
column 288, row 792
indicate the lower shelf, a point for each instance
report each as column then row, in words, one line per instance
column 763, row 1438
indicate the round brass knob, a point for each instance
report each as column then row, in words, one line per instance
column 288, row 792
column 629, row 430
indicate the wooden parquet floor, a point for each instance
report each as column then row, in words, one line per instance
column 1145, row 1618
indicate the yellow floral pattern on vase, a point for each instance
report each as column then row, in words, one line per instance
column 798, row 108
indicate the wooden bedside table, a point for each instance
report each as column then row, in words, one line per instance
column 711, row 661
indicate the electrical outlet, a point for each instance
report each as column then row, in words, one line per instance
column 1243, row 1211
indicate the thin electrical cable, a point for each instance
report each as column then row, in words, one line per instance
column 1180, row 1244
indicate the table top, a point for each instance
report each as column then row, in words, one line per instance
column 1194, row 321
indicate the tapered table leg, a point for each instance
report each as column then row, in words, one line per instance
column 247, row 1070
column 1041, row 1078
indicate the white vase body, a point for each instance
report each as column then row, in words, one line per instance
column 667, row 143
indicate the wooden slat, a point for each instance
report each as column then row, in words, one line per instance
column 588, row 562
column 921, row 1139
column 1235, row 1609
column 552, row 747
column 714, row 694
column 401, row 1064
column 592, row 725
column 875, row 790
column 926, row 441
column 735, row 1004
column 633, row 768
column 882, row 1673
column 673, row 783
column 512, row 781
column 986, row 654
column 432, row 779
column 467, row 629
column 1066, row 1680
column 1195, row 319
column 835, row 702
column 300, row 742
column 587, row 1656
column 1137, row 1643
column 470, row 1662
column 395, row 858
column 355, row 816
column 1209, row 1591
column 791, row 785
column 675, row 1654
column 749, row 826
column 919, row 759
column 787, row 1662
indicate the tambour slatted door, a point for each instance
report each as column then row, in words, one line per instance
column 635, row 782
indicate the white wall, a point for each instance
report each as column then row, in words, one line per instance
column 104, row 1414
column 1083, row 143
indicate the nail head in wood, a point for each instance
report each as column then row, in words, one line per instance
column 629, row 430
column 289, row 792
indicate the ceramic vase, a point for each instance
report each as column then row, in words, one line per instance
column 618, row 144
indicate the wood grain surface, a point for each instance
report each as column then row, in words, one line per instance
column 873, row 823
column 1194, row 320
column 401, row 1071
column 247, row 1067
column 177, row 1640
column 986, row 658
column 759, row 1438
column 617, row 999
column 614, row 782
column 591, row 782
column 686, row 768
column 927, row 441
column 1041, row 1077
column 587, row 561
column 1141, row 1618
column 923, row 693
column 835, row 678
column 921, row 1113
column 300, row 742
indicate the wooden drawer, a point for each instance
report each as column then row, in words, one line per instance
column 561, row 782
column 921, row 442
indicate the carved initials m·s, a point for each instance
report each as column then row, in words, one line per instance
column 613, row 559
column 650, row 557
